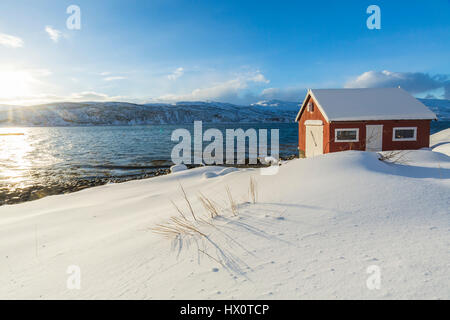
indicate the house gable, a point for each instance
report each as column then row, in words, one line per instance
column 308, row 97
column 311, row 117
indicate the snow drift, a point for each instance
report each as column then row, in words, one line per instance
column 317, row 227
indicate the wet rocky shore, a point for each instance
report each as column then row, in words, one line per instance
column 37, row 191
column 13, row 195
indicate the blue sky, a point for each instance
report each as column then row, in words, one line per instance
column 234, row 51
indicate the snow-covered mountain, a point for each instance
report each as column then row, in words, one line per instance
column 123, row 113
column 438, row 106
column 278, row 105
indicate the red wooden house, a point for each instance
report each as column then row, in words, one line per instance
column 378, row 119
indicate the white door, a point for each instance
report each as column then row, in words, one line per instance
column 314, row 141
column 374, row 137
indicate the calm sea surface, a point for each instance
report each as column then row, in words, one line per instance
column 54, row 160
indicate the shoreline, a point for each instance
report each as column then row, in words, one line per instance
column 39, row 191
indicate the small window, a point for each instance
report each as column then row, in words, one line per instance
column 405, row 134
column 346, row 135
column 310, row 107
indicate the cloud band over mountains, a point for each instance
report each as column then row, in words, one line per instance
column 413, row 82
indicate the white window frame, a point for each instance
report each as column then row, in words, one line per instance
column 404, row 139
column 310, row 106
column 346, row 129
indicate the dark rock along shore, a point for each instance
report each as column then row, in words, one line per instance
column 37, row 191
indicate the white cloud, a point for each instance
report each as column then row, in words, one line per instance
column 176, row 74
column 286, row 94
column 114, row 78
column 10, row 41
column 88, row 95
column 53, row 33
column 41, row 72
column 216, row 92
column 414, row 82
column 73, row 97
column 259, row 77
column 109, row 76
column 234, row 90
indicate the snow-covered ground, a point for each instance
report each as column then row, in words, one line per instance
column 440, row 141
column 316, row 228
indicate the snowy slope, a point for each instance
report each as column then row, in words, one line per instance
column 316, row 228
column 440, row 142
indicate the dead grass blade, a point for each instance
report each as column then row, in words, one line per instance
column 177, row 227
column 253, row 190
column 186, row 225
column 166, row 230
column 233, row 205
column 188, row 202
column 179, row 210
column 209, row 205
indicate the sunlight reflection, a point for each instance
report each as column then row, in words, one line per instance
column 15, row 149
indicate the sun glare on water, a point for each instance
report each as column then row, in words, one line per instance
column 23, row 152
column 14, row 151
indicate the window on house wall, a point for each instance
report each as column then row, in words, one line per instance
column 404, row 134
column 346, row 135
column 310, row 106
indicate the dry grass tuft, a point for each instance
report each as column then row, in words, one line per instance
column 177, row 227
column 396, row 156
column 233, row 205
column 253, row 190
column 187, row 225
column 209, row 205
column 184, row 230
column 167, row 230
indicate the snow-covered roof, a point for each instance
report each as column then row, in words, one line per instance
column 368, row 104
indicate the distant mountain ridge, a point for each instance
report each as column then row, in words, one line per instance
column 124, row 113
column 440, row 107
column 278, row 104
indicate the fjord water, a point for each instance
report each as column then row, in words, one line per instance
column 52, row 160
